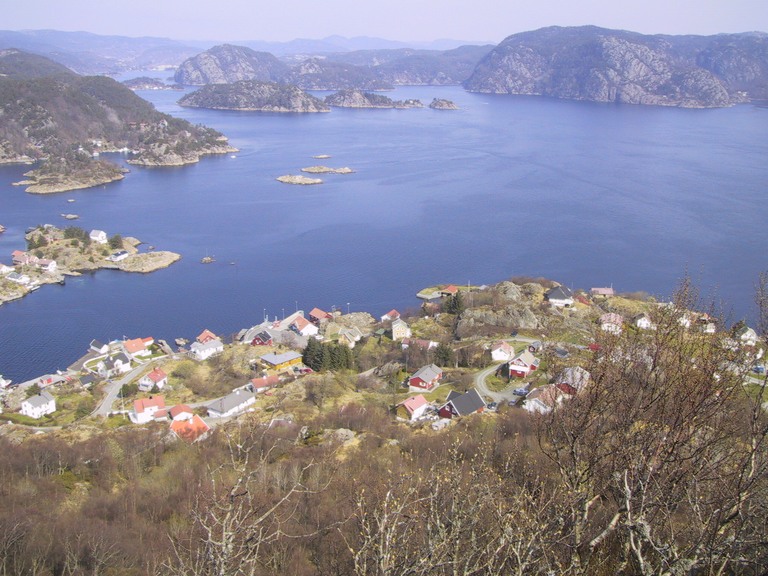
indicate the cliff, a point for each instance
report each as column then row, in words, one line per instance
column 590, row 63
column 360, row 99
column 254, row 95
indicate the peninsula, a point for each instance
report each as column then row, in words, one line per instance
column 53, row 253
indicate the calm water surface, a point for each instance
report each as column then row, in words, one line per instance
column 586, row 194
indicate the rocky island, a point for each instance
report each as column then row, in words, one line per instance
column 327, row 170
column 442, row 104
column 360, row 99
column 254, row 95
column 298, row 179
column 66, row 121
column 53, row 253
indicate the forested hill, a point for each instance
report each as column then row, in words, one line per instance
column 590, row 63
column 49, row 112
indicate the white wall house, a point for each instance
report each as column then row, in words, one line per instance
column 98, row 236
column 39, row 405
column 204, row 351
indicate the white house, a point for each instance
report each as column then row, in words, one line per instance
column 413, row 408
column 138, row 347
column 204, row 351
column 157, row 377
column 543, row 399
column 47, row 265
column 747, row 336
column 5, row 269
column 234, row 403
column 98, row 236
column 643, row 322
column 304, row 327
column 400, row 329
column 391, row 315
column 99, row 347
column 22, row 279
column 39, row 405
column 502, row 351
column 144, row 409
column 112, row 365
column 560, row 296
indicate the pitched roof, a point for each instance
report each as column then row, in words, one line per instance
column 40, row 400
column 300, row 323
column 428, row 373
column 179, row 409
column 207, row 345
column 230, row 401
column 559, row 293
column 502, row 345
column 265, row 381
column 276, row 359
column 135, row 345
column 391, row 315
column 157, row 375
column 190, row 430
column 450, row 289
column 319, row 314
column 205, row 336
column 525, row 358
column 413, row 403
column 467, row 403
column 142, row 404
column 547, row 395
column 602, row 291
column 575, row 377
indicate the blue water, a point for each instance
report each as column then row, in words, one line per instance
column 586, row 194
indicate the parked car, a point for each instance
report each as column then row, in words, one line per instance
column 535, row 346
column 522, row 391
column 758, row 369
column 492, row 406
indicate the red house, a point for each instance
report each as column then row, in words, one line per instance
column 522, row 364
column 426, row 378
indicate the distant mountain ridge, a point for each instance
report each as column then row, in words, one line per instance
column 362, row 70
column 601, row 65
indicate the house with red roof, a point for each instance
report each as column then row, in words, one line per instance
column 206, row 336
column 316, row 315
column 264, row 383
column 412, row 408
column 145, row 409
column 138, row 347
column 391, row 315
column 181, row 412
column 191, row 430
column 303, row 327
column 157, row 377
column 449, row 290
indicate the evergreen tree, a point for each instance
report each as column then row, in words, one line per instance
column 312, row 354
column 444, row 355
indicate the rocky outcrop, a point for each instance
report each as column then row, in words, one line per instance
column 360, row 99
column 298, row 179
column 589, row 63
column 327, row 170
column 226, row 63
column 252, row 95
column 512, row 317
column 442, row 104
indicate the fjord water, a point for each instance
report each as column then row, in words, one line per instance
column 586, row 194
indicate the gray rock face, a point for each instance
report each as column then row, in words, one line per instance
column 227, row 63
column 254, row 95
column 600, row 65
column 318, row 74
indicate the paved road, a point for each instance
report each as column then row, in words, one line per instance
column 113, row 389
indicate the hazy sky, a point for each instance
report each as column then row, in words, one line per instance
column 407, row 20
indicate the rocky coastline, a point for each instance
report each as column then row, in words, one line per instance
column 75, row 256
column 298, row 180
